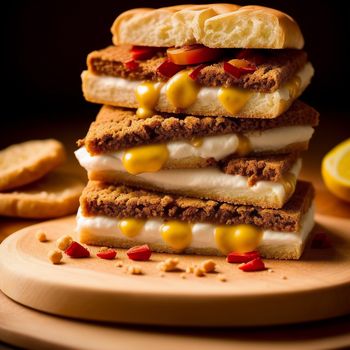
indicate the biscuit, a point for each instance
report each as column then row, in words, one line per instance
column 121, row 201
column 23, row 163
column 119, row 128
column 56, row 194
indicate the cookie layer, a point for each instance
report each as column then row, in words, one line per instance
column 276, row 67
column 124, row 202
column 118, row 128
column 54, row 195
column 23, row 163
column 105, row 231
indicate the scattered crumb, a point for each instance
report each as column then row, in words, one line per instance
column 55, row 256
column 270, row 270
column 168, row 265
column 162, row 274
column 199, row 272
column 190, row 269
column 64, row 242
column 208, row 265
column 134, row 270
column 41, row 236
column 284, row 277
column 119, row 264
column 183, row 276
column 221, row 277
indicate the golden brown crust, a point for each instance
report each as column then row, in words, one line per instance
column 274, row 70
column 266, row 168
column 122, row 202
column 23, row 163
column 208, row 24
column 118, row 128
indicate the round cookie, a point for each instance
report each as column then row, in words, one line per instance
column 56, row 194
column 23, row 163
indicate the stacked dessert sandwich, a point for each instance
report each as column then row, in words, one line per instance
column 197, row 147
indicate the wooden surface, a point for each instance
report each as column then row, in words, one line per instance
column 31, row 329
column 316, row 287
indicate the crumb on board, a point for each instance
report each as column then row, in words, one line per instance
column 64, row 242
column 55, row 256
column 208, row 265
column 134, row 270
column 199, row 272
column 168, row 265
column 40, row 235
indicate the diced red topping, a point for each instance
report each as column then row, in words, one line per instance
column 143, row 52
column 194, row 74
column 237, row 68
column 168, row 68
column 131, row 65
column 253, row 265
column 321, row 241
column 108, row 254
column 193, row 54
column 139, row 253
column 235, row 257
column 76, row 250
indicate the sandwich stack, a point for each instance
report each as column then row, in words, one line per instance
column 196, row 148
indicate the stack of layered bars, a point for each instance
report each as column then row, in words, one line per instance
column 197, row 147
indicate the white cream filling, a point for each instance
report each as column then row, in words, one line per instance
column 122, row 91
column 219, row 147
column 203, row 234
column 211, row 179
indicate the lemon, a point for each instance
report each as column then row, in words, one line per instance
column 336, row 170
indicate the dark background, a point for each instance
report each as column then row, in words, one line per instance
column 45, row 44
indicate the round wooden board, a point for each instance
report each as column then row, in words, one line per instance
column 316, row 287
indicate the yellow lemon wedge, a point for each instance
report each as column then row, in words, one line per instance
column 336, row 170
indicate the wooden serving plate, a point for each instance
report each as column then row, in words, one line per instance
column 316, row 287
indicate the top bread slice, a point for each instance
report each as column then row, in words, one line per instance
column 213, row 25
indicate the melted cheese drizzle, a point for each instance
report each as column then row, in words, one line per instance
column 233, row 99
column 237, row 238
column 131, row 227
column 181, row 90
column 147, row 95
column 149, row 158
column 178, row 235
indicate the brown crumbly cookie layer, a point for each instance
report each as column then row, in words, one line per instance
column 119, row 128
column 268, row 168
column 121, row 201
column 277, row 67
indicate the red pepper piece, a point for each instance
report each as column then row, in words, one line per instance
column 253, row 265
column 168, row 68
column 196, row 71
column 237, row 72
column 76, row 250
column 108, row 254
column 131, row 65
column 139, row 253
column 143, row 52
column 235, row 257
column 321, row 241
